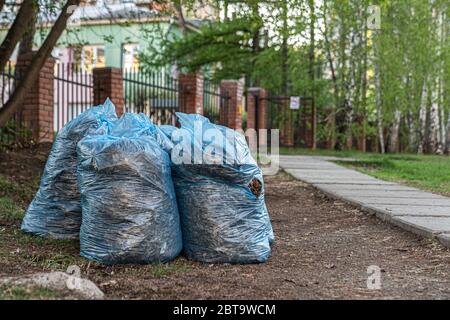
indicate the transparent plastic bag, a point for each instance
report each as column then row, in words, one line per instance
column 224, row 218
column 130, row 212
column 55, row 210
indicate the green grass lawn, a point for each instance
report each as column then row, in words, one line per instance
column 425, row 172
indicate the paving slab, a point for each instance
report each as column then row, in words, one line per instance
column 357, row 187
column 329, row 173
column 334, row 177
column 412, row 209
column 312, row 180
column 402, row 201
column 397, row 210
column 425, row 226
column 389, row 194
column 310, row 166
column 444, row 238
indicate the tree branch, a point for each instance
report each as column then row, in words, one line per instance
column 16, row 31
column 38, row 61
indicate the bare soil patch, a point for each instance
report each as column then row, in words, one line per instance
column 322, row 251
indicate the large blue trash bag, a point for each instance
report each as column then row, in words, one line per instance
column 167, row 130
column 56, row 210
column 224, row 218
column 130, row 212
column 135, row 125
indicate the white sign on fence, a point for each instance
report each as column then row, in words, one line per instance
column 295, row 103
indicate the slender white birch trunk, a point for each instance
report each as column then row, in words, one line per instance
column 434, row 133
column 448, row 134
column 422, row 119
column 378, row 99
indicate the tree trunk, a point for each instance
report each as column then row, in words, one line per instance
column 332, row 117
column 312, row 67
column 380, row 130
column 411, row 132
column 442, row 125
column 26, row 44
column 394, row 134
column 379, row 106
column 31, row 74
column 434, row 135
column 348, row 107
column 331, row 128
column 362, row 139
column 180, row 16
column 448, row 134
column 422, row 119
column 441, row 90
column 16, row 31
column 284, row 49
column 255, row 43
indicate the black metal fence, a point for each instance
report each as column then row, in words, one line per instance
column 214, row 100
column 14, row 130
column 73, row 93
column 154, row 93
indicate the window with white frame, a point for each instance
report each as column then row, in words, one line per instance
column 89, row 57
column 130, row 56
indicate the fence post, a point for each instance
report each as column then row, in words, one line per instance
column 287, row 127
column 191, row 92
column 37, row 108
column 232, row 115
column 108, row 83
column 257, row 108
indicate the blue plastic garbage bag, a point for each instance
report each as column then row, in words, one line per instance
column 136, row 125
column 130, row 211
column 167, row 130
column 56, row 210
column 224, row 218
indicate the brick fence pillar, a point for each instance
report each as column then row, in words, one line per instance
column 108, row 83
column 37, row 108
column 257, row 108
column 231, row 115
column 191, row 93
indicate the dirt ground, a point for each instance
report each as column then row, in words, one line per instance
column 322, row 251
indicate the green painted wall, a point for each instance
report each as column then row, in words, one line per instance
column 112, row 36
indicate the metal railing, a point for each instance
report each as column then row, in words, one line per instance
column 214, row 101
column 154, row 93
column 14, row 130
column 73, row 93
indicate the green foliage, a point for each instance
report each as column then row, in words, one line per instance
column 360, row 77
column 227, row 43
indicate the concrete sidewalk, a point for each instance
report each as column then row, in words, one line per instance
column 417, row 211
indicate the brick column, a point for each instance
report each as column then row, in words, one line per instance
column 108, row 83
column 257, row 107
column 191, row 93
column 231, row 115
column 37, row 108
